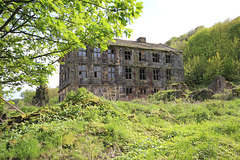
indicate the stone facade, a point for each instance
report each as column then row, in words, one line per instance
column 127, row 70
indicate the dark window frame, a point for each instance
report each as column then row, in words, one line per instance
column 97, row 71
column 111, row 54
column 96, row 52
column 111, row 72
column 128, row 72
column 82, row 71
column 168, row 58
column 155, row 57
column 169, row 74
column 156, row 74
column 82, row 52
column 127, row 55
column 143, row 91
column 142, row 73
column 129, row 90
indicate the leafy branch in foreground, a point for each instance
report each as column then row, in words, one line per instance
column 34, row 34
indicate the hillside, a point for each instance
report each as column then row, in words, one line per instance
column 87, row 127
column 209, row 52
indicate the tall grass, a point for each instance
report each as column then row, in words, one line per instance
column 92, row 128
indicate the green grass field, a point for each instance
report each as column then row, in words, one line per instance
column 88, row 127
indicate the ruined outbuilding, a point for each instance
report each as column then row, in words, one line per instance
column 127, row 70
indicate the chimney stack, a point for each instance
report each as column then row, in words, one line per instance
column 141, row 39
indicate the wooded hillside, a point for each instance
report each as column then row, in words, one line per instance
column 209, row 52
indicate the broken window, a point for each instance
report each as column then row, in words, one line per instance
column 97, row 52
column 128, row 73
column 127, row 55
column 111, row 72
column 155, row 57
column 169, row 74
column 140, row 56
column 128, row 90
column 168, row 58
column 110, row 54
column 142, row 73
column 97, row 72
column 143, row 91
column 82, row 71
column 155, row 74
column 82, row 52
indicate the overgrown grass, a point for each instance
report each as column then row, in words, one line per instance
column 87, row 127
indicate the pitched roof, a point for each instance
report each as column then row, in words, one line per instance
column 143, row 45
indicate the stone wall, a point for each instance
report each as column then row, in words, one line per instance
column 116, row 88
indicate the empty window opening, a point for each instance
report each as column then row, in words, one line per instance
column 111, row 72
column 128, row 73
column 168, row 58
column 128, row 91
column 156, row 90
column 140, row 56
column 97, row 52
column 143, row 91
column 142, row 73
column 127, row 55
column 111, row 54
column 97, row 72
column 82, row 71
column 155, row 57
column 82, row 52
column 155, row 74
column 169, row 74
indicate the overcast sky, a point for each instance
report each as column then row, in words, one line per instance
column 164, row 19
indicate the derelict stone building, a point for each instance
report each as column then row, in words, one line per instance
column 127, row 70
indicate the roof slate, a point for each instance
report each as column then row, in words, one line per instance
column 135, row 44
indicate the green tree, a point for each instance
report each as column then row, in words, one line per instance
column 209, row 52
column 27, row 96
column 34, row 34
column 41, row 97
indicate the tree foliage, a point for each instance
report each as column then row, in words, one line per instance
column 210, row 52
column 41, row 97
column 27, row 97
column 34, row 34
